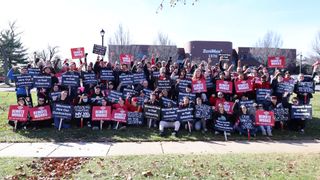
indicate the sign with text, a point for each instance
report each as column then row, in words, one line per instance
column 89, row 78
column 243, row 86
column 305, row 87
column 138, row 78
column 62, row 111
column 224, row 86
column 183, row 84
column 82, row 112
column 18, row 113
column 23, row 80
column 185, row 114
column 222, row 124
column 119, row 115
column 129, row 92
column 42, row 81
column 166, row 102
column 151, row 112
column 77, row 53
column 284, row 87
column 246, row 121
column 126, row 58
column 114, row 95
column 101, row 113
column 169, row 114
column 264, row 118
column 209, row 82
column 135, row 118
column 276, row 61
column 281, row 114
column 40, row 113
column 70, row 79
column 106, row 74
column 100, row 50
column 54, row 96
column 199, row 86
column 164, row 84
column 33, row 71
column 203, row 111
column 301, row 112
column 247, row 103
column 262, row 94
column 126, row 79
column 192, row 97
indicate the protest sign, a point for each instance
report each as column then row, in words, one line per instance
column 114, row 95
column 183, row 83
column 199, row 86
column 281, row 114
column 23, row 81
column 106, row 74
column 135, row 118
column 276, row 61
column 119, row 115
column 101, row 113
column 129, row 92
column 98, row 49
column 243, row 86
column 82, row 112
column 164, row 84
column 169, row 114
column 185, row 114
column 192, row 97
column 40, row 113
column 246, row 121
column 301, row 112
column 63, row 111
column 203, row 111
column 209, row 82
column 138, row 78
column 33, row 71
column 168, row 102
column 70, row 79
column 89, row 78
column 42, row 81
column 126, row 58
column 77, row 53
column 55, row 95
column 305, row 87
column 147, row 92
column 222, row 124
column 18, row 113
column 224, row 86
column 264, row 118
column 156, row 74
column 262, row 94
column 189, row 76
column 247, row 103
column 284, row 87
column 126, row 79
column 151, row 112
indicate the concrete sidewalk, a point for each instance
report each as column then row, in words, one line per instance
column 143, row 148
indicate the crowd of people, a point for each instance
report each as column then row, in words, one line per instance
column 230, row 91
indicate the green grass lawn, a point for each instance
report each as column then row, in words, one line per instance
column 134, row 133
column 227, row 166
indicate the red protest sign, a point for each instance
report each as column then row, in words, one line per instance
column 224, row 86
column 119, row 115
column 77, row 53
column 276, row 62
column 199, row 86
column 40, row 113
column 18, row 113
column 227, row 106
column 243, row 86
column 101, row 113
column 126, row 58
column 264, row 118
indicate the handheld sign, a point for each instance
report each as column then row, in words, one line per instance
column 262, row 94
column 126, row 79
column 284, row 87
column 23, row 81
column 189, row 76
column 33, row 71
column 203, row 111
column 54, row 96
column 246, row 122
column 40, row 113
column 164, row 84
column 156, row 74
column 264, row 118
column 199, row 86
column 18, row 113
column 192, row 97
column 168, row 102
column 82, row 112
column 70, row 79
column 42, row 81
column 227, row 106
column 100, row 50
column 281, row 114
column 106, row 75
column 115, row 95
column 77, row 53
column 138, row 78
column 126, row 58
column 101, row 113
column 247, row 103
column 185, row 114
column 305, row 87
column 183, row 84
column 129, row 92
column 119, row 115
column 276, row 62
column 243, row 86
column 151, row 112
column 63, row 111
column 135, row 118
column 301, row 112
column 222, row 124
column 169, row 114
column 224, row 86
column 209, row 82
column 89, row 78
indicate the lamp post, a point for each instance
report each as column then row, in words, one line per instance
column 102, row 36
column 300, row 63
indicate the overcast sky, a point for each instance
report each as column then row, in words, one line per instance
column 77, row 23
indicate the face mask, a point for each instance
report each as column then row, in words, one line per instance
column 85, row 100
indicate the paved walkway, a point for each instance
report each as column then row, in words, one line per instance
column 131, row 148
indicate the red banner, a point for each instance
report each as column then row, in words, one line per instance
column 224, row 86
column 264, row 118
column 101, row 113
column 77, row 53
column 40, row 113
column 119, row 115
column 18, row 113
column 243, row 86
column 276, row 62
column 126, row 58
column 227, row 106
column 199, row 86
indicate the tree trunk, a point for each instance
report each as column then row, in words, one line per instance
column 6, row 70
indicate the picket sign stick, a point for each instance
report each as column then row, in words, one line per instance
column 225, row 136
column 81, row 123
column 117, row 125
column 248, row 130
column 101, row 122
column 305, row 99
column 189, row 126
column 27, row 91
column 150, row 122
column 15, row 125
column 281, row 124
column 69, row 90
column 60, row 124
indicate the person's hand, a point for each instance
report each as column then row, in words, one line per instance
column 305, row 94
column 236, row 101
column 213, row 95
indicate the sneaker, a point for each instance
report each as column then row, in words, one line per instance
column 264, row 133
column 174, row 133
column 95, row 128
column 302, row 131
column 89, row 125
column 216, row 132
column 269, row 133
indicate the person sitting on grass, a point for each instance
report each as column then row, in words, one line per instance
column 169, row 124
column 201, row 123
column 21, row 102
column 221, row 115
column 245, row 122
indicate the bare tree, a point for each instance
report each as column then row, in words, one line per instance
column 122, row 40
column 48, row 54
column 164, row 48
column 316, row 44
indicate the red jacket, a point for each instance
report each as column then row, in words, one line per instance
column 262, row 85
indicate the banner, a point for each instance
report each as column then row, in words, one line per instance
column 89, row 78
column 151, row 112
column 138, row 78
column 169, row 114
column 77, row 53
column 261, row 95
column 243, row 86
column 264, row 118
column 199, row 86
column 168, row 102
column 276, row 61
column 119, row 115
column 284, row 87
column 114, row 95
column 183, row 83
column 42, row 81
column 23, row 80
column 224, row 86
column 281, row 114
column 126, row 58
column 246, row 121
column 135, row 118
column 185, row 114
column 40, row 113
column 305, row 87
column 164, row 84
column 192, row 97
column 82, row 112
column 100, row 50
column 301, row 112
column 101, row 113
column 18, row 113
column 106, row 75
column 203, row 111
column 126, row 79
column 62, row 111
column 70, row 79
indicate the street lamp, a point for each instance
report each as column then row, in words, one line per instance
column 102, row 35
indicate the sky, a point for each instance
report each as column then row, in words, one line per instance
column 77, row 23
